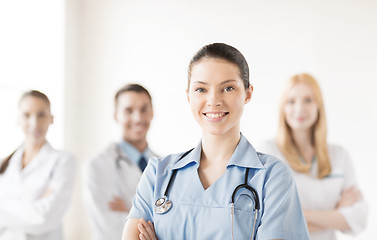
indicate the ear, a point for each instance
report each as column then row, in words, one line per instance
column 52, row 119
column 249, row 93
column 115, row 116
column 188, row 95
column 152, row 112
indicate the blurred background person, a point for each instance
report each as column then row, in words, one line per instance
column 324, row 173
column 111, row 178
column 36, row 181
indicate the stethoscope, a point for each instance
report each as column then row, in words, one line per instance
column 163, row 205
column 119, row 156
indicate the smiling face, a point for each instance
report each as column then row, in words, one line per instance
column 134, row 113
column 34, row 119
column 217, row 96
column 301, row 109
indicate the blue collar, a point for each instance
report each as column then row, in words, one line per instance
column 132, row 153
column 244, row 156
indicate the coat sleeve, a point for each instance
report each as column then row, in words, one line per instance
column 97, row 193
column 356, row 214
column 44, row 214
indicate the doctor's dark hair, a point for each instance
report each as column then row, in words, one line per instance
column 36, row 94
column 4, row 164
column 224, row 52
column 131, row 88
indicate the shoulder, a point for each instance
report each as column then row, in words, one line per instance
column 274, row 166
column 166, row 163
column 63, row 157
column 108, row 153
column 335, row 149
column 339, row 156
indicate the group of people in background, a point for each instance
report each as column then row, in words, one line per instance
column 297, row 186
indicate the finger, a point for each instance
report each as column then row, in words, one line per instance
column 151, row 224
column 150, row 229
column 143, row 233
column 141, row 228
column 142, row 237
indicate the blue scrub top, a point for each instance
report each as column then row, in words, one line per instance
column 199, row 213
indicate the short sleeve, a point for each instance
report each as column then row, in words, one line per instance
column 282, row 217
column 142, row 203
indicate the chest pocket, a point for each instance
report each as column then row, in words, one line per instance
column 244, row 214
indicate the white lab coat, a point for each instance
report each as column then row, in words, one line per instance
column 324, row 194
column 25, row 214
column 104, row 179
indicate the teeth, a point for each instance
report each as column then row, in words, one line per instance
column 215, row 115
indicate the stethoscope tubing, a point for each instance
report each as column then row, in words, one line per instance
column 163, row 205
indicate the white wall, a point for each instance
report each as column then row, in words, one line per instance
column 31, row 57
column 110, row 43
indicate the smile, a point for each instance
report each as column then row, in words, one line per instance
column 214, row 116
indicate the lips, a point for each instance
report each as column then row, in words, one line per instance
column 216, row 115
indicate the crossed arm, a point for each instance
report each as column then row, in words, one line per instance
column 332, row 219
column 136, row 229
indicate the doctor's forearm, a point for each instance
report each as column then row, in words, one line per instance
column 326, row 219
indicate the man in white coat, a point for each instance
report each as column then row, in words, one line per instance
column 111, row 178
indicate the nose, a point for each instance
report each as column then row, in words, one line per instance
column 299, row 106
column 137, row 116
column 33, row 122
column 214, row 99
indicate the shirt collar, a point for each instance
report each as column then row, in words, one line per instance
column 244, row 156
column 192, row 157
column 133, row 154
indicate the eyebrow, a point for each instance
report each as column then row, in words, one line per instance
column 224, row 82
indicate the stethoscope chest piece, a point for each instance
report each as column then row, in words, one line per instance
column 162, row 205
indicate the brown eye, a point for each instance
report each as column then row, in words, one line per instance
column 42, row 114
column 128, row 111
column 308, row 100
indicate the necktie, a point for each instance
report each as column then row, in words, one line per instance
column 142, row 163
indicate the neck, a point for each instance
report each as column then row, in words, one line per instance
column 302, row 138
column 304, row 143
column 219, row 148
column 31, row 149
column 140, row 145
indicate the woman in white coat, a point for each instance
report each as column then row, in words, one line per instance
column 36, row 181
column 324, row 174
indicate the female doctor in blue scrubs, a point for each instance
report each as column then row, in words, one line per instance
column 223, row 188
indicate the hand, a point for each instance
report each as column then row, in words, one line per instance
column 349, row 197
column 118, row 205
column 47, row 193
column 146, row 230
column 314, row 228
